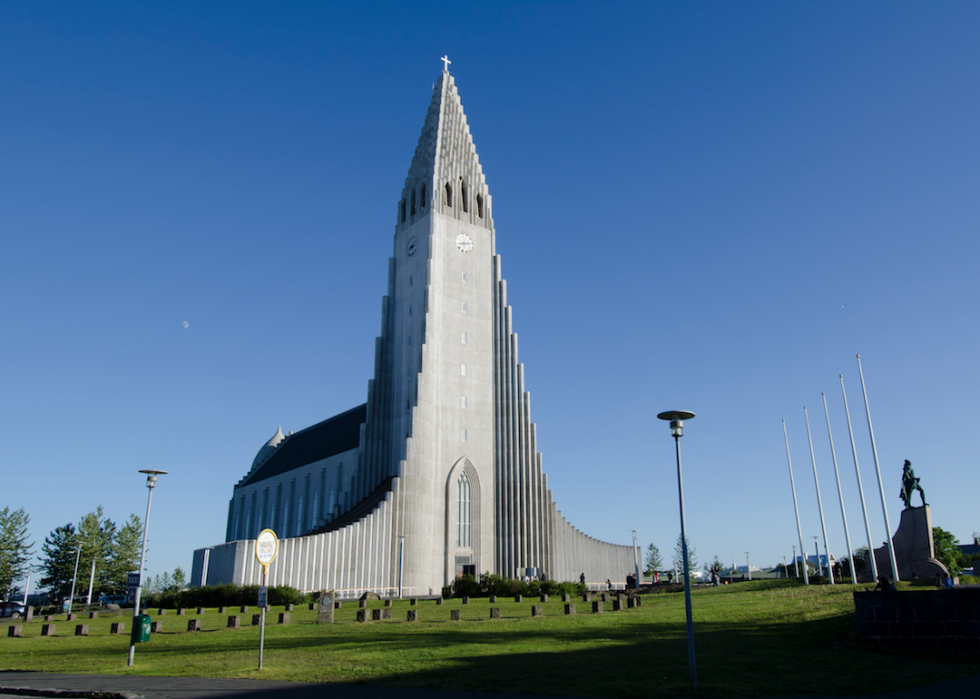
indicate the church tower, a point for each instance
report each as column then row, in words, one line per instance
column 435, row 391
column 438, row 474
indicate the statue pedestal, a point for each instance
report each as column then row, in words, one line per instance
column 915, row 553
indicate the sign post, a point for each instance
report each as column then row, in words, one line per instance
column 266, row 548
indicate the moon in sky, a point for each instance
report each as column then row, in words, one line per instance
column 186, row 325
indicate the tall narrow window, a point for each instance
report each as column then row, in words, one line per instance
column 449, row 194
column 463, row 511
column 464, row 276
column 403, row 211
column 316, row 505
column 409, row 310
column 411, row 280
column 464, row 306
column 285, row 518
column 462, row 195
column 463, row 402
column 479, row 205
column 464, row 338
column 464, row 435
column 463, row 368
column 422, row 203
column 413, row 202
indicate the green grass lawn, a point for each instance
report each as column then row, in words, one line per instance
column 768, row 638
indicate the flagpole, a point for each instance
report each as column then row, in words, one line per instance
column 840, row 492
column 816, row 482
column 881, row 488
column 857, row 470
column 796, row 509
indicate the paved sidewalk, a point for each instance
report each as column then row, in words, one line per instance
column 143, row 687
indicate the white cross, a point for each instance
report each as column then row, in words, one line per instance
column 445, row 63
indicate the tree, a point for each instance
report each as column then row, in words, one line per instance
column 179, row 579
column 96, row 534
column 15, row 551
column 652, row 560
column 716, row 563
column 692, row 558
column 58, row 565
column 947, row 549
column 124, row 556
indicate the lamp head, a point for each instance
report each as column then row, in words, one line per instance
column 676, row 418
column 151, row 476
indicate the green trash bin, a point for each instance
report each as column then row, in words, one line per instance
column 141, row 628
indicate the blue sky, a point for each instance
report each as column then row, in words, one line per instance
column 708, row 206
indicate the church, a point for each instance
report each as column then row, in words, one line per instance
column 438, row 473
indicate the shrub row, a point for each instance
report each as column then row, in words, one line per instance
column 224, row 596
column 488, row 584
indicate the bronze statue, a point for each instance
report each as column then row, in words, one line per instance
column 909, row 484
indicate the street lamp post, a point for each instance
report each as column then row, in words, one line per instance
column 676, row 418
column 151, row 481
column 636, row 561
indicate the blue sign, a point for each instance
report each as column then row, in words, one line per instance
column 132, row 582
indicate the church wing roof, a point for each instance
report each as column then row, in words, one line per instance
column 325, row 439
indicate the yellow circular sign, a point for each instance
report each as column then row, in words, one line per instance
column 266, row 547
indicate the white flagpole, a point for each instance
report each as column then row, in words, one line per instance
column 796, row 509
column 840, row 492
column 881, row 488
column 857, row 470
column 816, row 482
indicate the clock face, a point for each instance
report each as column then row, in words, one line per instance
column 412, row 245
column 464, row 242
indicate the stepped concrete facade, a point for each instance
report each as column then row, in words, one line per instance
column 439, row 472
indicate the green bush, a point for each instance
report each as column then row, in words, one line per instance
column 495, row 585
column 224, row 596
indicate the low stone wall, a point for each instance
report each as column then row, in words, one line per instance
column 937, row 620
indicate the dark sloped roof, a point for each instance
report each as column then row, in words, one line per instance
column 334, row 435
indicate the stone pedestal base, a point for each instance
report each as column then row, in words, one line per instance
column 915, row 553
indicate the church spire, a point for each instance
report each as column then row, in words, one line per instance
column 445, row 174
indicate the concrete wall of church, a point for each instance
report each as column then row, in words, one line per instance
column 294, row 502
column 350, row 560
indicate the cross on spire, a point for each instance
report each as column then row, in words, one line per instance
column 445, row 63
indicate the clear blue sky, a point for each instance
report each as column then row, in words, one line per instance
column 708, row 206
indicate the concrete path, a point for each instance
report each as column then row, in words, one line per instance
column 140, row 687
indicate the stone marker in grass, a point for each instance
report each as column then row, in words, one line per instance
column 244, row 609
column 536, row 610
column 494, row 612
column 181, row 612
column 156, row 626
column 234, row 621
column 631, row 603
column 385, row 613
column 362, row 615
column 375, row 615
column 14, row 630
column 413, row 602
column 413, row 615
column 518, row 598
column 161, row 612
column 455, row 615
column 193, row 624
column 597, row 606
column 569, row 608
column 466, row 600
column 284, row 617
column 256, row 619
column 222, row 610
column 116, row 628
column 493, row 599
column 566, row 598
column 362, row 603
column 288, row 608
column 617, row 605
column 202, row 610
column 81, row 630
column 439, row 602
column 325, row 615
column 47, row 629
column 71, row 617
column 544, row 598
column 387, row 602
column 93, row 615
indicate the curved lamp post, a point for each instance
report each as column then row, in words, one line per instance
column 151, row 481
column 677, row 418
